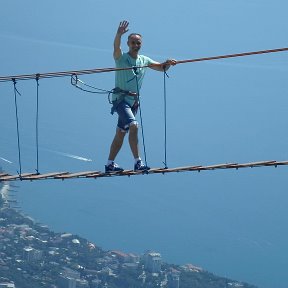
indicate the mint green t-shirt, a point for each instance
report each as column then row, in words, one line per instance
column 126, row 79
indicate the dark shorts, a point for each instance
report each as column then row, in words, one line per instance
column 126, row 116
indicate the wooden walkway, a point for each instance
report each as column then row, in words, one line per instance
column 98, row 174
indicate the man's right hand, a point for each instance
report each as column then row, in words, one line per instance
column 123, row 27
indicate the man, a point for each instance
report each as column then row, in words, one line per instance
column 125, row 98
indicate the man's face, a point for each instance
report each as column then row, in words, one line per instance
column 134, row 43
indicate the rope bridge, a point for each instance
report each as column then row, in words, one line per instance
column 98, row 174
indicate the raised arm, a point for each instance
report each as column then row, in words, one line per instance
column 122, row 29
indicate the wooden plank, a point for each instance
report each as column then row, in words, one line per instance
column 178, row 169
column 96, row 175
column 263, row 163
column 128, row 172
column 255, row 164
column 157, row 170
column 188, row 168
column 76, row 175
column 140, row 172
column 161, row 170
column 3, row 174
column 8, row 177
column 117, row 173
column 281, row 163
column 43, row 176
column 215, row 166
column 16, row 177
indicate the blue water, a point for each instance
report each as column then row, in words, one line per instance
column 231, row 223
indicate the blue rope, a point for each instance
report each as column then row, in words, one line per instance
column 17, row 126
column 75, row 82
column 37, row 121
column 165, row 117
column 140, row 113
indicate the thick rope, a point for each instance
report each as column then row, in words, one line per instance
column 233, row 55
column 102, row 70
column 17, row 126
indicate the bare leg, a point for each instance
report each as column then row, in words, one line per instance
column 133, row 140
column 116, row 144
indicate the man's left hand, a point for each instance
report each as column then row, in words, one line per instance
column 166, row 65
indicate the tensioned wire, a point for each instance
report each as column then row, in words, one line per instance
column 102, row 70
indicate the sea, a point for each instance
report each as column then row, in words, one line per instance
column 236, row 229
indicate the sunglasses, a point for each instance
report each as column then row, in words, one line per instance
column 136, row 42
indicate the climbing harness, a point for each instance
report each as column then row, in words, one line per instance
column 121, row 97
